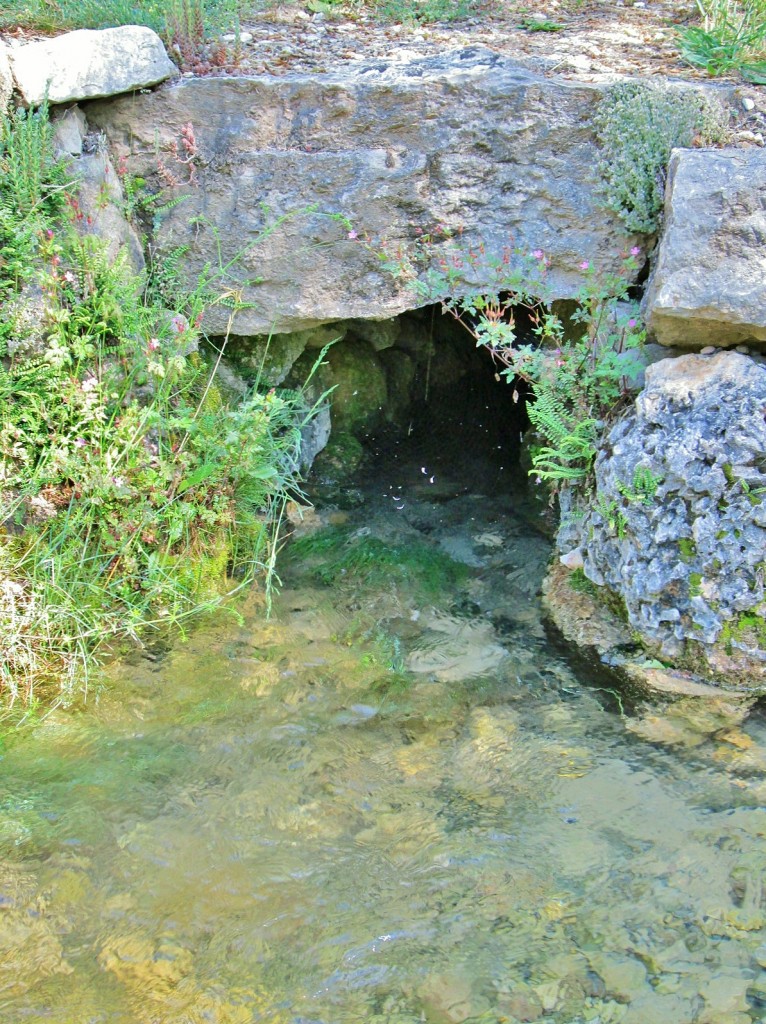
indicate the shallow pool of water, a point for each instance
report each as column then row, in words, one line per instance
column 387, row 803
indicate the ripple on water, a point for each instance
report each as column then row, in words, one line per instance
column 385, row 811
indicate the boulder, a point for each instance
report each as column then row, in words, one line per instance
column 708, row 286
column 6, row 78
column 69, row 131
column 86, row 64
column 299, row 177
column 677, row 529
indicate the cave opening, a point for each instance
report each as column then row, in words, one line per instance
column 448, row 410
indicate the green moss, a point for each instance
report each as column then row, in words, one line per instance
column 687, row 549
column 580, row 583
column 341, row 558
column 748, row 628
column 339, row 459
column 695, row 584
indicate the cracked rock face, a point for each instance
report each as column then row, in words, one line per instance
column 469, row 140
column 709, row 283
column 678, row 526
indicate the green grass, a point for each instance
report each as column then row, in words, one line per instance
column 731, row 37
column 134, row 494
column 219, row 15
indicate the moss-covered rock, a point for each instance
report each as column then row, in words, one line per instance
column 270, row 358
column 339, row 459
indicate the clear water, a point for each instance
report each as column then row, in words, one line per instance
column 385, row 806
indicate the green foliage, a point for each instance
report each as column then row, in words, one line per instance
column 643, row 488
column 638, row 124
column 32, row 180
column 580, row 583
column 132, row 494
column 732, row 37
column 423, row 11
column 613, row 516
column 575, row 382
column 73, row 14
column 541, row 25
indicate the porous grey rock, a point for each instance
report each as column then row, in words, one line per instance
column 708, row 286
column 380, row 150
column 88, row 63
column 678, row 526
column 6, row 78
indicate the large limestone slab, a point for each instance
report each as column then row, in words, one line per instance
column 709, row 283
column 86, row 64
column 468, row 140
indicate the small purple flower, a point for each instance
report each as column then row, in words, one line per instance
column 635, row 251
column 631, row 322
column 538, row 254
column 352, row 235
column 80, row 442
column 585, row 265
column 154, row 344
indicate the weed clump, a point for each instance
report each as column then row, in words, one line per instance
column 732, row 37
column 638, row 124
column 132, row 493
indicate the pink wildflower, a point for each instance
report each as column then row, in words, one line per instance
column 353, row 234
column 154, row 344
column 585, row 265
column 635, row 251
column 631, row 322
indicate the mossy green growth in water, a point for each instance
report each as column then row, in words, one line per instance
column 341, row 557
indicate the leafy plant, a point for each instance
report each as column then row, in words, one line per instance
column 732, row 37
column 638, row 124
column 132, row 494
column 576, row 377
column 32, row 180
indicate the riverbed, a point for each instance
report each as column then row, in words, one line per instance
column 397, row 799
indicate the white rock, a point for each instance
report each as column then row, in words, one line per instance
column 243, row 37
column 87, row 64
column 572, row 559
column 708, row 286
column 6, row 78
column 747, row 103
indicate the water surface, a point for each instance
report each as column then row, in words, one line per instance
column 384, row 804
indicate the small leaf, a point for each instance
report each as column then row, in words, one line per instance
column 263, row 473
column 197, row 477
column 755, row 73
